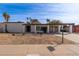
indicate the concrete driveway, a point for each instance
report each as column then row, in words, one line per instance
column 72, row 37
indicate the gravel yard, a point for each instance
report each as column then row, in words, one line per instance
column 6, row 38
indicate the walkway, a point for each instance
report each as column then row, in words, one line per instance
column 39, row 50
column 73, row 37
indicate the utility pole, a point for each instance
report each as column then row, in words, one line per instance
column 62, row 36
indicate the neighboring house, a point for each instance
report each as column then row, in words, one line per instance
column 35, row 26
column 76, row 28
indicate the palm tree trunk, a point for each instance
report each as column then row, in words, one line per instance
column 6, row 28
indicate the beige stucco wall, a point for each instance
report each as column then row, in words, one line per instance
column 15, row 27
column 12, row 27
column 2, row 27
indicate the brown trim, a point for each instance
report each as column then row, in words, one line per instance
column 52, row 24
column 42, row 24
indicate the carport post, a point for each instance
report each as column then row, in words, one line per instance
column 23, row 30
column 59, row 28
column 70, row 29
column 47, row 28
column 35, row 29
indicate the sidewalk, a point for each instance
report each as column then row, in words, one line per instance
column 39, row 50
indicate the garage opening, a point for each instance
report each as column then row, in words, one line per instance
column 44, row 29
column 28, row 28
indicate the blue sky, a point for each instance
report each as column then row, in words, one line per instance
column 68, row 13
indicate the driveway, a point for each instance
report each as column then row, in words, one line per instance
column 72, row 37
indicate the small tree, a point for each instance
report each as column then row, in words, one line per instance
column 55, row 22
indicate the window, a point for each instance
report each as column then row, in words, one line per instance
column 38, row 28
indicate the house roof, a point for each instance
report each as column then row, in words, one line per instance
column 77, row 25
column 42, row 24
column 35, row 21
column 13, row 22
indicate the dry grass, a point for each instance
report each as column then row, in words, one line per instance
column 31, row 39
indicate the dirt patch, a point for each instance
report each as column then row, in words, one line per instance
column 31, row 39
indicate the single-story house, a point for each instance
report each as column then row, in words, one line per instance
column 34, row 28
column 48, row 28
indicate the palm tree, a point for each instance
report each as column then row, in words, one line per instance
column 29, row 20
column 6, row 17
column 48, row 20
